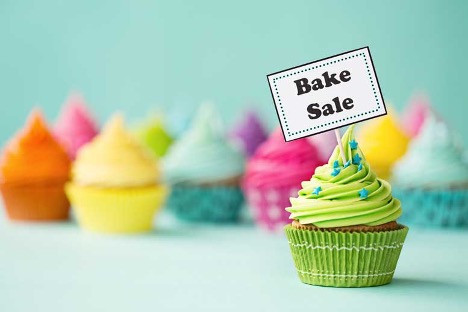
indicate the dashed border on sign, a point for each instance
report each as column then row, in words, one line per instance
column 313, row 66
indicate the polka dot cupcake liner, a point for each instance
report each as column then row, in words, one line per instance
column 268, row 205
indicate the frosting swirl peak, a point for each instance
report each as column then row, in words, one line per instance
column 278, row 164
column 345, row 194
column 34, row 155
column 115, row 159
column 153, row 135
column 203, row 154
column 434, row 158
column 249, row 133
column 75, row 126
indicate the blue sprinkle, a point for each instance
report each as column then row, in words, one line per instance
column 363, row 193
column 347, row 163
column 359, row 168
column 336, row 164
column 335, row 172
column 353, row 144
column 317, row 190
column 356, row 159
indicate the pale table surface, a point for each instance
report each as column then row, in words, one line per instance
column 58, row 267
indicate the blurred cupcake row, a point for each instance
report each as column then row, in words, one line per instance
column 117, row 179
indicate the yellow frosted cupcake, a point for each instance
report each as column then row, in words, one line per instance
column 115, row 183
column 383, row 142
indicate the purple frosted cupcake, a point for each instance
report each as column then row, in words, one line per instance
column 249, row 133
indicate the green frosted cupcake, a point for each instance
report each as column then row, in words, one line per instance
column 344, row 231
column 154, row 136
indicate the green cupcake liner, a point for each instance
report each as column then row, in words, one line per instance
column 341, row 259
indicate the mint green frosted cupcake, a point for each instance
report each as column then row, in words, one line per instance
column 344, row 231
column 204, row 172
column 432, row 178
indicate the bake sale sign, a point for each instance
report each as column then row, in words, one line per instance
column 327, row 94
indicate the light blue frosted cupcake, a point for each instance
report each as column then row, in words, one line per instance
column 432, row 178
column 204, row 172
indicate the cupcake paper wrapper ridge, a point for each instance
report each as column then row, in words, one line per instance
column 215, row 204
column 36, row 202
column 338, row 259
column 116, row 210
column 434, row 208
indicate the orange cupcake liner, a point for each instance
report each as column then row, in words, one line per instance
column 35, row 202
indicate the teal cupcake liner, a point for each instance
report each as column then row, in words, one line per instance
column 215, row 204
column 344, row 259
column 433, row 208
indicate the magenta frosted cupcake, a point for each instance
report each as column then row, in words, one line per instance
column 274, row 173
column 249, row 133
column 75, row 125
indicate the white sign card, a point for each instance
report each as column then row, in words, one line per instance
column 327, row 94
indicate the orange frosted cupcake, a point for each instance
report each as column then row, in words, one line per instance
column 34, row 168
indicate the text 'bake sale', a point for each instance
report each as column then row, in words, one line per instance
column 327, row 80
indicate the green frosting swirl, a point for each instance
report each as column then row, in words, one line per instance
column 345, row 194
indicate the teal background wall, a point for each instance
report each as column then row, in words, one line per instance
column 140, row 55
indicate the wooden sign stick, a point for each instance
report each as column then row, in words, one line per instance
column 340, row 145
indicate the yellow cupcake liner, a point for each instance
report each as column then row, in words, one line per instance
column 114, row 210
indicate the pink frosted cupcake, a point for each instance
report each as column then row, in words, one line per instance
column 75, row 125
column 415, row 114
column 274, row 173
